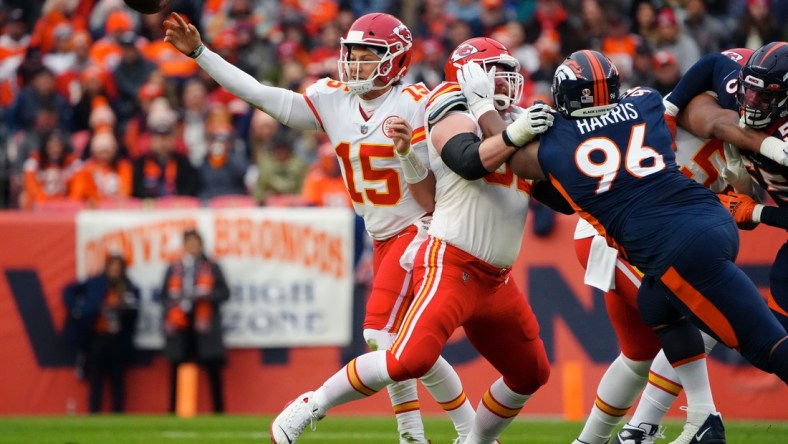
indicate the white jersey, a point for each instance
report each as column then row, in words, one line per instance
column 372, row 172
column 702, row 160
column 484, row 217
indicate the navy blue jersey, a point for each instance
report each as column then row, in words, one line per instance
column 714, row 72
column 770, row 175
column 620, row 173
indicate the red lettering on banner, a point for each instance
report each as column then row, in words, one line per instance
column 138, row 244
column 283, row 241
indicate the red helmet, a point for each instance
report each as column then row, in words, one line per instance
column 488, row 52
column 738, row 55
column 389, row 39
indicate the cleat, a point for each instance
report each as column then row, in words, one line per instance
column 289, row 425
column 644, row 433
column 710, row 431
column 407, row 438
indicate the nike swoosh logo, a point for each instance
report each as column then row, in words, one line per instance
column 698, row 437
column 289, row 441
column 479, row 95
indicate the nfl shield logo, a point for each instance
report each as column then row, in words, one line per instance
column 364, row 129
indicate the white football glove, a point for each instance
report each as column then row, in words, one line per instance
column 478, row 87
column 734, row 172
column 535, row 120
column 775, row 149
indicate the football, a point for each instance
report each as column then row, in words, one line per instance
column 147, row 6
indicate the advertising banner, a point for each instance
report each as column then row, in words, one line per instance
column 290, row 272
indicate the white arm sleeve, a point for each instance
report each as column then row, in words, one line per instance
column 284, row 105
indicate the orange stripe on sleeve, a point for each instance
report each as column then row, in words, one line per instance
column 443, row 89
column 701, row 307
column 314, row 111
column 419, row 135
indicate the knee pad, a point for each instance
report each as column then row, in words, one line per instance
column 396, row 370
column 378, row 339
column 418, row 357
column 527, row 384
column 681, row 340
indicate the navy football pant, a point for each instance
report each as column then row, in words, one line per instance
column 704, row 285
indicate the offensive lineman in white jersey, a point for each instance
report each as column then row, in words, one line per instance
column 457, row 288
column 375, row 124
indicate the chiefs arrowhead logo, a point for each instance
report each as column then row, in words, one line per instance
column 463, row 51
column 403, row 33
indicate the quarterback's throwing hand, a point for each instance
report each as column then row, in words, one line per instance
column 478, row 87
column 534, row 121
column 183, row 36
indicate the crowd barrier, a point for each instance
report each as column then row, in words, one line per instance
column 290, row 318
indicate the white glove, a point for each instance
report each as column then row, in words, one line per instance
column 478, row 87
column 734, row 172
column 775, row 149
column 670, row 108
column 535, row 120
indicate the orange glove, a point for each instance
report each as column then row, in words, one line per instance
column 741, row 207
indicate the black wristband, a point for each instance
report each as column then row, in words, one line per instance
column 507, row 141
column 196, row 53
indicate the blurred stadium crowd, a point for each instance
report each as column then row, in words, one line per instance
column 98, row 111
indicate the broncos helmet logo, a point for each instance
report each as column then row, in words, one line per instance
column 576, row 68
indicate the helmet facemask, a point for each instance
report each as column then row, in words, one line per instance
column 508, row 71
column 760, row 106
column 349, row 70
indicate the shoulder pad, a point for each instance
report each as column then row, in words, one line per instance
column 447, row 97
column 327, row 85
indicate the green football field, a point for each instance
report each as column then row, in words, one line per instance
column 249, row 429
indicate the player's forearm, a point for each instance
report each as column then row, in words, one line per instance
column 493, row 153
column 491, row 124
column 286, row 106
column 727, row 129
